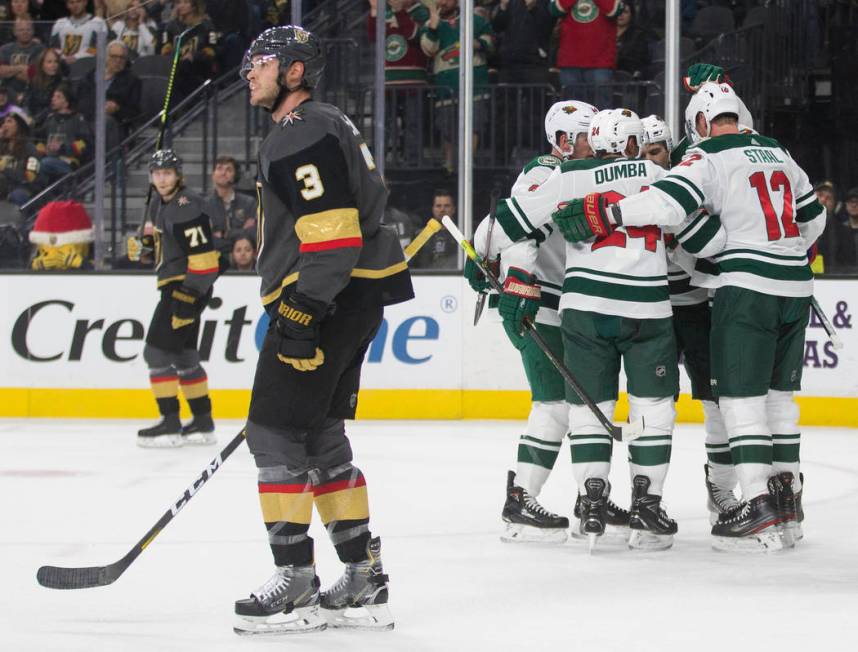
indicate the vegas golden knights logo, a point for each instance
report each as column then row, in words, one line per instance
column 131, row 41
column 72, row 44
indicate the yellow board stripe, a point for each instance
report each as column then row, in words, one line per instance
column 294, row 508
column 372, row 404
column 334, row 224
column 346, row 505
column 204, row 262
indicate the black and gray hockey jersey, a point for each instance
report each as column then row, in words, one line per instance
column 184, row 248
column 321, row 202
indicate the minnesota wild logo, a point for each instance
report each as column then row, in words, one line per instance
column 585, row 11
column 569, row 109
column 396, row 47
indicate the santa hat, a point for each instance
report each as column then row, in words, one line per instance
column 60, row 223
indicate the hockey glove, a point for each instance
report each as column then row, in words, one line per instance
column 297, row 325
column 138, row 247
column 187, row 305
column 520, row 300
column 582, row 219
column 476, row 279
column 700, row 73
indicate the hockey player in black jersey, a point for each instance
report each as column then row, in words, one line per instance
column 186, row 263
column 328, row 268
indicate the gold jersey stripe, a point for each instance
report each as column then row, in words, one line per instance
column 357, row 272
column 203, row 262
column 334, row 224
column 162, row 282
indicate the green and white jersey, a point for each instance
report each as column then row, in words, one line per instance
column 696, row 236
column 765, row 202
column 546, row 258
column 624, row 274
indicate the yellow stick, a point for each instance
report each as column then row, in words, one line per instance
column 432, row 227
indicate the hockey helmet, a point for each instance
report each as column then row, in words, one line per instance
column 656, row 131
column 165, row 159
column 611, row 130
column 289, row 43
column 571, row 117
column 712, row 100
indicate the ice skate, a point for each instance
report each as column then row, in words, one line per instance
column 358, row 600
column 616, row 522
column 527, row 521
column 751, row 527
column 720, row 500
column 592, row 513
column 784, row 501
column 799, row 511
column 288, row 603
column 167, row 433
column 200, row 431
column 651, row 528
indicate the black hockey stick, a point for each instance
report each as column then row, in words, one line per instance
column 836, row 342
column 481, row 299
column 55, row 577
column 620, row 433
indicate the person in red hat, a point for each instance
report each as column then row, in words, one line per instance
column 62, row 236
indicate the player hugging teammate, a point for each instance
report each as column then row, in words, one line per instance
column 738, row 215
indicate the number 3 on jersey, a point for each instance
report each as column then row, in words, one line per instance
column 777, row 181
column 313, row 188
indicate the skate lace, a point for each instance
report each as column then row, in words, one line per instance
column 724, row 498
column 739, row 513
column 276, row 586
column 340, row 585
column 532, row 505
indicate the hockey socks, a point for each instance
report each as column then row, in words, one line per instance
column 195, row 388
column 287, row 507
column 342, row 503
column 540, row 444
column 165, row 387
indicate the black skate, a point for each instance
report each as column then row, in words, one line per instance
column 651, row 528
column 594, row 503
column 528, row 521
column 720, row 500
column 784, row 500
column 751, row 527
column 616, row 521
column 164, row 434
column 799, row 511
column 288, row 603
column 200, row 431
column 358, row 600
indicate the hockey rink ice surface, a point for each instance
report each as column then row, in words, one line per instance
column 78, row 493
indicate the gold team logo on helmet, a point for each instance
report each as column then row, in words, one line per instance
column 302, row 36
column 626, row 113
column 569, row 109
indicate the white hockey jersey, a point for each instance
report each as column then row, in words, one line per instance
column 624, row 274
column 76, row 37
column 765, row 202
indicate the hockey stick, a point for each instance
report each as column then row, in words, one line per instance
column 55, row 577
column 620, row 433
column 481, row 299
column 836, row 342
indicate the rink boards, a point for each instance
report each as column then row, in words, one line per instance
column 72, row 347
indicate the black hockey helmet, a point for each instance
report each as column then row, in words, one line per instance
column 289, row 43
column 165, row 159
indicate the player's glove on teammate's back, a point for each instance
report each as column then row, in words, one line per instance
column 187, row 306
column 297, row 325
column 582, row 219
column 520, row 299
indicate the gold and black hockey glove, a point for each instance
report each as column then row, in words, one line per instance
column 139, row 246
column 297, row 325
column 187, row 306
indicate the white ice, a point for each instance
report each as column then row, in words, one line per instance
column 77, row 493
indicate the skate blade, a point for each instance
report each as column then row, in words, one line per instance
column 199, row 439
column 375, row 617
column 591, row 542
column 518, row 533
column 797, row 531
column 644, row 540
column 298, row 621
column 161, row 441
column 614, row 534
column 769, row 540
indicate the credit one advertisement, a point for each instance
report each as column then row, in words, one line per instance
column 88, row 331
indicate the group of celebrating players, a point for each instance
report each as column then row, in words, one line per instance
column 621, row 245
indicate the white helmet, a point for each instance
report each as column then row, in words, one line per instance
column 711, row 100
column 656, row 131
column 571, row 117
column 611, row 129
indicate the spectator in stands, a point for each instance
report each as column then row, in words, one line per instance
column 231, row 19
column 243, row 256
column 45, row 75
column 846, row 237
column 197, row 60
column 232, row 214
column 524, row 29
column 74, row 36
column 136, row 30
column 122, row 104
column 65, row 139
column 826, row 244
column 587, row 53
column 274, row 12
column 633, row 42
column 107, row 9
column 439, row 39
column 404, row 224
column 6, row 103
column 441, row 251
column 16, row 57
column 19, row 161
column 20, row 10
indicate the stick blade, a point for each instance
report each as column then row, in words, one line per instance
column 632, row 430
column 836, row 342
column 54, row 577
